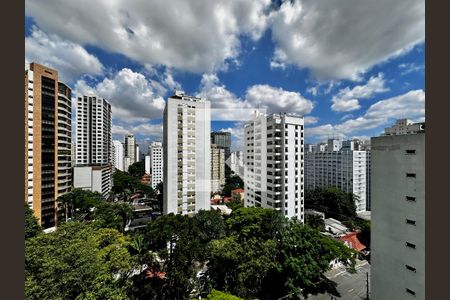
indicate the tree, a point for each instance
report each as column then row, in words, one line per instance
column 112, row 215
column 137, row 170
column 364, row 234
column 32, row 228
column 333, row 202
column 77, row 262
column 123, row 184
column 315, row 221
column 217, row 295
column 78, row 203
column 231, row 183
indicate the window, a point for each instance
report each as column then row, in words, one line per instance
column 410, row 152
column 412, row 175
column 410, row 245
column 410, row 292
column 409, row 198
column 412, row 269
column 410, row 222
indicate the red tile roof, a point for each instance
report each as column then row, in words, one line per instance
column 352, row 240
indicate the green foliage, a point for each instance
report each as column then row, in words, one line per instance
column 123, row 184
column 315, row 221
column 333, row 202
column 77, row 262
column 32, row 228
column 112, row 215
column 137, row 170
column 78, row 203
column 364, row 234
column 231, row 183
column 234, row 205
column 217, row 295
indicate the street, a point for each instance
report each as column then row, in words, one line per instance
column 350, row 286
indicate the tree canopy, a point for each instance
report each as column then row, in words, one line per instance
column 333, row 202
column 32, row 228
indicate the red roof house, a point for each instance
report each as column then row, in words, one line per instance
column 352, row 241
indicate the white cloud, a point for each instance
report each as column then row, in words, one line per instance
column 147, row 130
column 237, row 136
column 343, row 39
column 198, row 36
column 70, row 59
column 132, row 97
column 409, row 105
column 348, row 99
column 311, row 120
column 407, row 68
column 227, row 106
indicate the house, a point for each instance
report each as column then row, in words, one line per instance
column 335, row 227
column 238, row 194
column 351, row 240
column 224, row 210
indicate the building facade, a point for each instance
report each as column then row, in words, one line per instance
column 156, row 163
column 94, row 157
column 47, row 142
column 404, row 126
column 340, row 165
column 273, row 158
column 217, row 168
column 118, row 158
column 95, row 178
column 130, row 149
column 187, row 154
column 398, row 216
column 236, row 163
column 147, row 164
column 222, row 140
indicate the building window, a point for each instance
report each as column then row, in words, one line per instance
column 412, row 269
column 410, row 152
column 410, row 222
column 412, row 175
column 410, row 245
column 409, row 198
column 410, row 292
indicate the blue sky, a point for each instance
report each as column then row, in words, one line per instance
column 351, row 68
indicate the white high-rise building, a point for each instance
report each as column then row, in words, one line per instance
column 147, row 164
column 273, row 159
column 236, row 162
column 126, row 163
column 398, row 216
column 404, row 126
column 338, row 165
column 130, row 148
column 156, row 163
column 94, row 138
column 137, row 153
column 118, row 155
column 94, row 151
column 187, row 154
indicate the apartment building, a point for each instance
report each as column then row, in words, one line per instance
column 217, row 168
column 398, row 216
column 147, row 165
column 118, row 157
column 222, row 140
column 236, row 163
column 187, row 154
column 273, row 159
column 156, row 163
column 48, row 143
column 340, row 165
column 404, row 126
column 94, row 152
column 130, row 149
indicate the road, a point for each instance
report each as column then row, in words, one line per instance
column 350, row 286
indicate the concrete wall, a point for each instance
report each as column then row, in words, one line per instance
column 390, row 209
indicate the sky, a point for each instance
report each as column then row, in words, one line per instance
column 350, row 67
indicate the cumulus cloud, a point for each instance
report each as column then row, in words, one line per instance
column 70, row 59
column 227, row 106
column 383, row 113
column 154, row 131
column 311, row 120
column 348, row 99
column 132, row 97
column 407, row 68
column 343, row 39
column 198, row 36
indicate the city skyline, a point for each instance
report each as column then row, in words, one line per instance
column 350, row 91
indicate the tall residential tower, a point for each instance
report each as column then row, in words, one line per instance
column 187, row 154
column 48, row 142
column 273, row 159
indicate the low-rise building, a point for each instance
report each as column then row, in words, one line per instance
column 95, row 178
